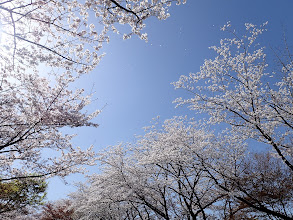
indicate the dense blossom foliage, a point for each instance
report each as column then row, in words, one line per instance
column 181, row 171
column 159, row 177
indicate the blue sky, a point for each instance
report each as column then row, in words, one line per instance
column 133, row 79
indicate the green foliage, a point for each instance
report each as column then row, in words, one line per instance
column 17, row 194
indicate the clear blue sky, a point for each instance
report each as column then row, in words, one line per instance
column 133, row 79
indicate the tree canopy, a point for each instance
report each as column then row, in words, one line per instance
column 18, row 194
column 182, row 171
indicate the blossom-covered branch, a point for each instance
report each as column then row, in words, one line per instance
column 236, row 88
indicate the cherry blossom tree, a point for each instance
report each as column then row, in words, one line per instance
column 184, row 171
column 159, row 177
column 45, row 46
column 236, row 88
